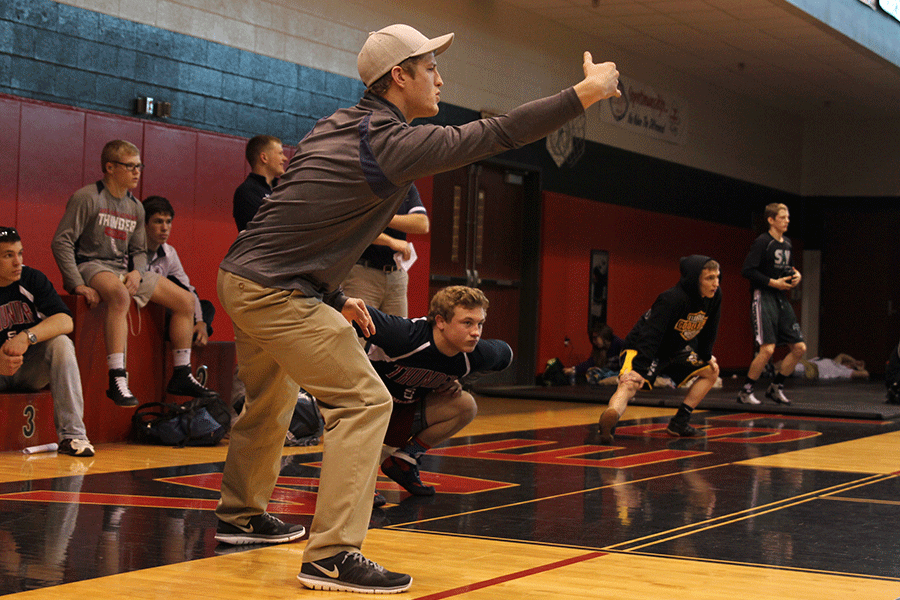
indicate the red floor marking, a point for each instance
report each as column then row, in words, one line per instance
column 511, row 577
column 570, row 456
column 740, row 435
column 285, row 488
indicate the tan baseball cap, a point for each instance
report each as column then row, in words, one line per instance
column 386, row 48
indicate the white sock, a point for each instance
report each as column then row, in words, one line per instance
column 181, row 357
column 115, row 361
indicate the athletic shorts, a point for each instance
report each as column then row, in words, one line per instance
column 146, row 288
column 773, row 320
column 407, row 420
column 680, row 368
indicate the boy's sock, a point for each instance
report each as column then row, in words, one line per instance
column 181, row 357
column 115, row 361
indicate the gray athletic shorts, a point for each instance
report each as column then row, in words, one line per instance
column 149, row 279
column 773, row 319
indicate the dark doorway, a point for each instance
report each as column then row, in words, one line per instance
column 486, row 234
column 860, row 308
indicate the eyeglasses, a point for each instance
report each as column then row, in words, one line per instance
column 5, row 231
column 130, row 167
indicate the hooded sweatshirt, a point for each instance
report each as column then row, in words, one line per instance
column 679, row 318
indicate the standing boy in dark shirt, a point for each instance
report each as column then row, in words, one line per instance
column 376, row 277
column 770, row 268
column 265, row 153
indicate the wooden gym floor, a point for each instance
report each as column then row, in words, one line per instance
column 529, row 505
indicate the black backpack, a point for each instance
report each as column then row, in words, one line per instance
column 197, row 422
column 554, row 374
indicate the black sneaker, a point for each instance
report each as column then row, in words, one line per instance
column 681, row 429
column 74, row 447
column 352, row 572
column 378, row 500
column 406, row 474
column 775, row 393
column 261, row 529
column 118, row 390
column 608, row 421
column 184, row 384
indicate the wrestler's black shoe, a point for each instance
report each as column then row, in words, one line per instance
column 776, row 394
column 406, row 474
column 184, row 384
column 378, row 500
column 680, row 429
column 261, row 529
column 608, row 421
column 352, row 572
column 745, row 397
column 118, row 390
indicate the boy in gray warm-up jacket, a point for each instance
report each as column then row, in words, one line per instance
column 102, row 228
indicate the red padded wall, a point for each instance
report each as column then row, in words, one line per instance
column 170, row 156
column 50, row 169
column 221, row 167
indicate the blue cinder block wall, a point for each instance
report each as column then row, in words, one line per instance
column 77, row 57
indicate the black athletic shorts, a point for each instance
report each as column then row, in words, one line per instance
column 773, row 319
column 680, row 368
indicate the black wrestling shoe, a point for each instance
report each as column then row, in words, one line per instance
column 775, row 393
column 352, row 572
column 681, row 429
column 261, row 529
column 406, row 474
column 745, row 397
column 378, row 500
column 118, row 390
column 184, row 384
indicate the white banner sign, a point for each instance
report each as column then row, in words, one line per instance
column 869, row 3
column 645, row 110
column 891, row 7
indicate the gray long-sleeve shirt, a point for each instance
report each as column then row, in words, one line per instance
column 349, row 176
column 97, row 226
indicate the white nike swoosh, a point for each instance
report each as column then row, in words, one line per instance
column 334, row 573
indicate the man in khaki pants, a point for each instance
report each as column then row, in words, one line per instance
column 280, row 284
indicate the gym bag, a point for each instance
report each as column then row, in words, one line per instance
column 197, row 422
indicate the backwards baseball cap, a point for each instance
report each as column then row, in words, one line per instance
column 388, row 47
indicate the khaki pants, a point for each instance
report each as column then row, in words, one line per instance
column 281, row 338
column 384, row 291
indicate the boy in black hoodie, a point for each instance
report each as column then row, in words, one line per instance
column 675, row 337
